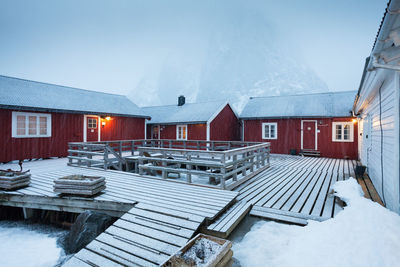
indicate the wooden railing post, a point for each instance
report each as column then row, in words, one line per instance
column 244, row 164
column 105, row 159
column 189, row 167
column 223, row 172
column 140, row 161
column 234, row 178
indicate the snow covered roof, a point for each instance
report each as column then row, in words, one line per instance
column 188, row 113
column 334, row 104
column 30, row 95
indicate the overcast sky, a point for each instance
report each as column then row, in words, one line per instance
column 109, row 45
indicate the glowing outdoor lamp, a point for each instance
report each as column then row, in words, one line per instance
column 354, row 120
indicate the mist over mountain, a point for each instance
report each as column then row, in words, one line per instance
column 242, row 55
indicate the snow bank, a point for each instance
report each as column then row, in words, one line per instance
column 21, row 246
column 363, row 234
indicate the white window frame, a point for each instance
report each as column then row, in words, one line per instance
column 177, row 131
column 343, row 123
column 275, row 124
column 27, row 115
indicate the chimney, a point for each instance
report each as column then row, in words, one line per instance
column 181, row 100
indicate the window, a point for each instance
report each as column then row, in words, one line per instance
column 270, row 130
column 31, row 124
column 342, row 132
column 92, row 123
column 181, row 132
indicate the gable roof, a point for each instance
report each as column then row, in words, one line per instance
column 333, row 104
column 24, row 94
column 188, row 113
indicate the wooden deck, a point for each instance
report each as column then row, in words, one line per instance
column 293, row 190
column 158, row 216
column 298, row 188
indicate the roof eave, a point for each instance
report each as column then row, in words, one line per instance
column 25, row 108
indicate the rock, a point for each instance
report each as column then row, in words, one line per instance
column 87, row 227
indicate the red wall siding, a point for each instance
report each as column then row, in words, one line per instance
column 225, row 126
column 64, row 128
column 195, row 131
column 289, row 137
column 122, row 128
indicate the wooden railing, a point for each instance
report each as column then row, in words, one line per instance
column 227, row 163
column 227, row 168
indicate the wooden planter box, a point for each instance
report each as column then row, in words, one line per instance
column 187, row 256
column 79, row 185
column 13, row 180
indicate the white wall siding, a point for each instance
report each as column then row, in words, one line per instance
column 370, row 142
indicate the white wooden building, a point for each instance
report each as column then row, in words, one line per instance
column 377, row 107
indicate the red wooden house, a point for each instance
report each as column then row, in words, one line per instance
column 214, row 120
column 315, row 124
column 39, row 119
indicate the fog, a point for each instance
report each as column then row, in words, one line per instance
column 155, row 50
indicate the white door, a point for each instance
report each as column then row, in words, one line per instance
column 366, row 140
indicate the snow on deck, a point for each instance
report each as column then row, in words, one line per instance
column 363, row 234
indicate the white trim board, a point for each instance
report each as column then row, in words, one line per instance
column 85, row 127
column 316, row 132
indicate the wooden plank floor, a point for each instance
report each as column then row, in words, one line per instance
column 294, row 189
column 157, row 216
column 297, row 188
column 122, row 192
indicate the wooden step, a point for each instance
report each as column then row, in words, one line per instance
column 310, row 153
column 226, row 223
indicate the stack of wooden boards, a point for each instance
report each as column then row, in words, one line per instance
column 79, row 185
column 11, row 180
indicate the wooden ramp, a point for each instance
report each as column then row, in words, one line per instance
column 144, row 236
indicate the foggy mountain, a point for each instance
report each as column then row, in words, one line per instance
column 243, row 56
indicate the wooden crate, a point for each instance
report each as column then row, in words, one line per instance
column 221, row 259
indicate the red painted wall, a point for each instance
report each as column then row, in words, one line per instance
column 64, row 128
column 289, row 137
column 122, row 128
column 225, row 127
column 195, row 131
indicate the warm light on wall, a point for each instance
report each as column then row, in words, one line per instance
column 103, row 123
column 108, row 118
column 354, row 120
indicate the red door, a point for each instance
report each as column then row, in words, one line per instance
column 155, row 132
column 92, row 132
column 309, row 135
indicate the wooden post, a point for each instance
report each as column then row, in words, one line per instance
column 105, row 159
column 244, row 164
column 223, row 171
column 234, row 167
column 251, row 161
column 132, row 147
column 140, row 162
column 189, row 167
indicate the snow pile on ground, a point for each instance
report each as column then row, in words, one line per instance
column 21, row 246
column 363, row 234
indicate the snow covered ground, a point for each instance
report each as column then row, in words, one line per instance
column 37, row 166
column 363, row 234
column 27, row 245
